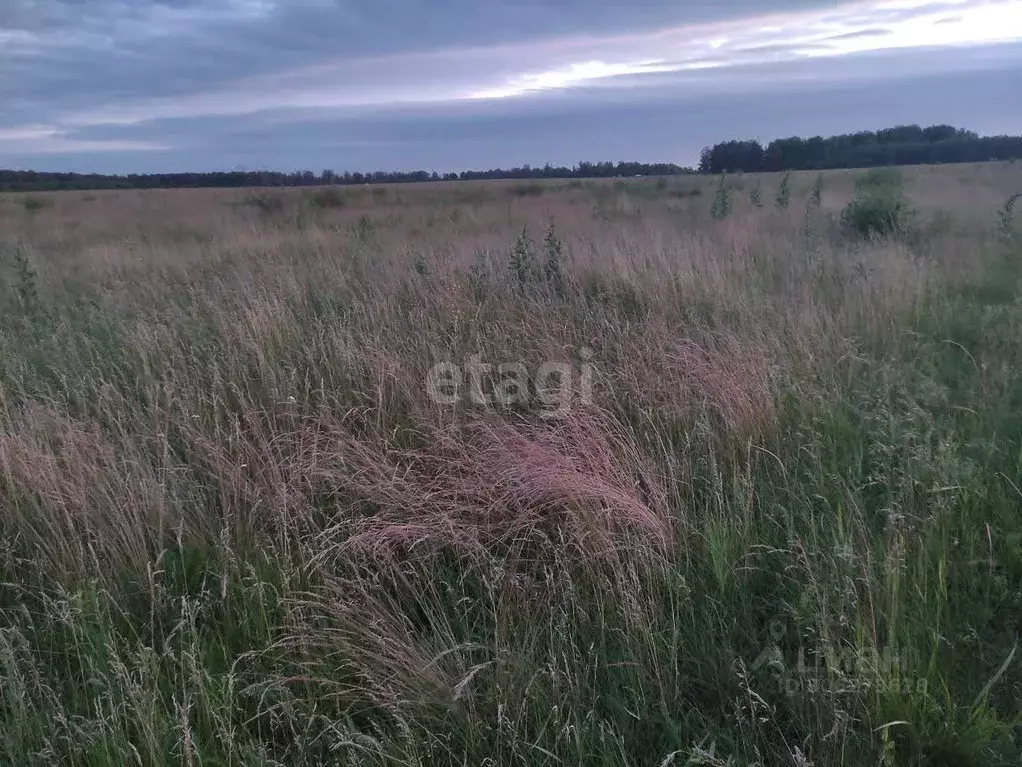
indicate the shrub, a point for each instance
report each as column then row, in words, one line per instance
column 881, row 211
column 523, row 259
column 816, row 198
column 26, row 282
column 723, row 201
column 1006, row 223
column 784, row 192
column 554, row 255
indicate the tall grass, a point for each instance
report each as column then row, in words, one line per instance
column 236, row 530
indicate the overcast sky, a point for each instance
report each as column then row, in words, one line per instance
column 163, row 85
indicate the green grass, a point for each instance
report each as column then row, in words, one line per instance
column 235, row 533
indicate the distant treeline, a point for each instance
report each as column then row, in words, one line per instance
column 33, row 181
column 902, row 145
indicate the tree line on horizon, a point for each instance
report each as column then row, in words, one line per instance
column 900, row 145
column 34, row 181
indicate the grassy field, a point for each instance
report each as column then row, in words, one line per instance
column 746, row 489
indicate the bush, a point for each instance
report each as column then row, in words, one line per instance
column 783, row 197
column 877, row 213
column 816, row 197
column 723, row 201
column 554, row 255
column 879, row 208
column 1006, row 222
column 523, row 260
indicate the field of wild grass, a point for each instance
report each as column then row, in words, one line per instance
column 238, row 527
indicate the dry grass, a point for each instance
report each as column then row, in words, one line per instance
column 238, row 530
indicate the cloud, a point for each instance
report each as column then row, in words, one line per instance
column 575, row 74
column 874, row 32
column 26, row 132
column 139, row 75
column 48, row 139
column 547, row 128
column 501, row 71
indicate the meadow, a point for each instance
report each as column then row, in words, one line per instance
column 779, row 524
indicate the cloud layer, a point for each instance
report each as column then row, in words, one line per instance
column 197, row 84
